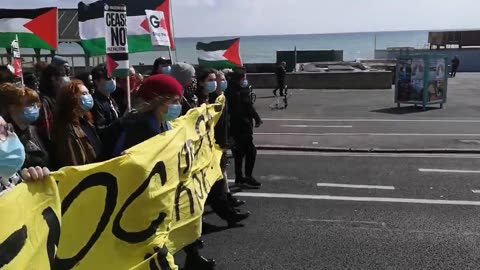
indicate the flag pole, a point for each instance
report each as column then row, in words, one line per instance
column 129, row 98
column 18, row 45
column 170, row 54
column 173, row 32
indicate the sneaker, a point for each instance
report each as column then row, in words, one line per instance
column 232, row 221
column 252, row 182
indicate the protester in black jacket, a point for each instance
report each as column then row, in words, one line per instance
column 218, row 198
column 105, row 109
column 21, row 106
column 6, row 75
column 222, row 135
column 162, row 95
column 242, row 115
column 52, row 80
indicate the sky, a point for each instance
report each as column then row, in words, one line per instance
column 207, row 18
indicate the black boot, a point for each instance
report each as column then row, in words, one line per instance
column 234, row 202
column 237, row 217
column 194, row 261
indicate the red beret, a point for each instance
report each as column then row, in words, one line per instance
column 159, row 85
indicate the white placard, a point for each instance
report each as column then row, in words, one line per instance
column 116, row 29
column 158, row 28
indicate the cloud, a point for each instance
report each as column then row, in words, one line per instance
column 267, row 17
column 196, row 3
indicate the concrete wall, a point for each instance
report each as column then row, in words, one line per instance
column 469, row 57
column 326, row 80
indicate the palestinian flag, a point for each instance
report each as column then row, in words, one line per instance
column 118, row 65
column 92, row 25
column 219, row 54
column 35, row 28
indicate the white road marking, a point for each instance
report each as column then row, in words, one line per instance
column 470, row 141
column 367, row 155
column 355, row 186
column 315, row 143
column 446, row 171
column 383, row 224
column 367, row 134
column 379, row 120
column 314, row 126
column 357, row 199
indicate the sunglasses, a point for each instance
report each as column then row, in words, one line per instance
column 5, row 131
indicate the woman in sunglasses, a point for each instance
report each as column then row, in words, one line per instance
column 12, row 158
column 20, row 106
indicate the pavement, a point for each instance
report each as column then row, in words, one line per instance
column 348, row 210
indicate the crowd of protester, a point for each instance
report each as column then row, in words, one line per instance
column 56, row 119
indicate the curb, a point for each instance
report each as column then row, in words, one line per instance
column 368, row 150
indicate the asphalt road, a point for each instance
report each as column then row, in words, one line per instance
column 360, row 211
column 370, row 119
column 379, row 212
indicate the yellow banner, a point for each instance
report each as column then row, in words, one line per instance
column 131, row 212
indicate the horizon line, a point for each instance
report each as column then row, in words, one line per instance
column 334, row 33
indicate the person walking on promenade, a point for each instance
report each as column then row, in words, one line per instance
column 281, row 73
column 455, row 65
column 242, row 114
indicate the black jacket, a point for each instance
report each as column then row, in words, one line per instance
column 131, row 130
column 241, row 111
column 281, row 73
column 36, row 153
column 223, row 125
column 105, row 110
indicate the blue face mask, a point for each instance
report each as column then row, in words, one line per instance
column 86, row 102
column 224, row 85
column 211, row 87
column 12, row 156
column 166, row 70
column 174, row 111
column 111, row 86
column 31, row 114
column 245, row 83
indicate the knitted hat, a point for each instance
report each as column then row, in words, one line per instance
column 183, row 72
column 159, row 85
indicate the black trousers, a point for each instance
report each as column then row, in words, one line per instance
column 244, row 149
column 218, row 200
column 280, row 86
column 454, row 72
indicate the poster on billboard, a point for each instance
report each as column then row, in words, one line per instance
column 436, row 79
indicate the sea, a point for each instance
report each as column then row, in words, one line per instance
column 262, row 49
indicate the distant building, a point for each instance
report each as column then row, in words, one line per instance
column 458, row 39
